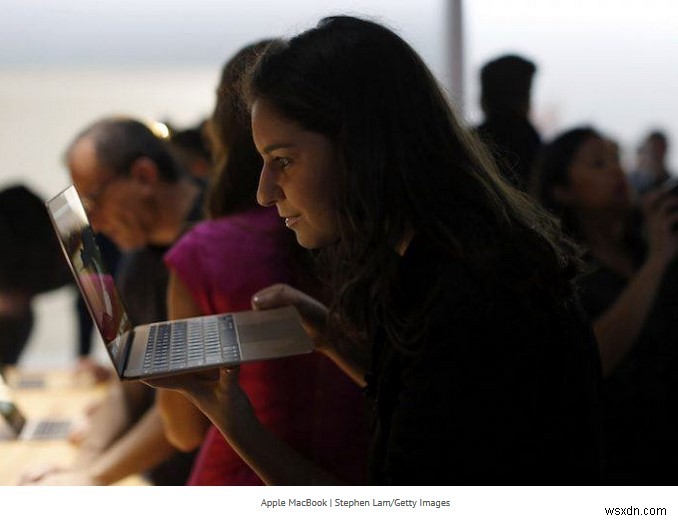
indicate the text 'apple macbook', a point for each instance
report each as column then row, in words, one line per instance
column 165, row 348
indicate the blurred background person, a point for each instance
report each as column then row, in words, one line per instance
column 191, row 148
column 31, row 263
column 136, row 193
column 630, row 292
column 505, row 99
column 651, row 170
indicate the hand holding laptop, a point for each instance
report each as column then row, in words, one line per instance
column 313, row 313
column 352, row 359
column 216, row 392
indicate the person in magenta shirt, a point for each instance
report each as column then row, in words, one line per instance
column 216, row 267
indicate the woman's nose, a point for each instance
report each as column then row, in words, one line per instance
column 269, row 191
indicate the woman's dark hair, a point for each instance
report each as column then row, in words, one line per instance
column 233, row 186
column 408, row 165
column 551, row 171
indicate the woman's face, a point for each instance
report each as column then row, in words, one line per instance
column 596, row 180
column 299, row 176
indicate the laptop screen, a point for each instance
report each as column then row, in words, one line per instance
column 94, row 280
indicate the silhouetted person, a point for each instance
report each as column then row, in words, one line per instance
column 630, row 294
column 506, row 85
column 136, row 193
column 651, row 170
column 31, row 263
column 190, row 147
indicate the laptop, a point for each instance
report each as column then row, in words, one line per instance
column 17, row 426
column 14, row 424
column 145, row 351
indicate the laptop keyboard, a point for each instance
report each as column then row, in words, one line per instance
column 51, row 430
column 193, row 343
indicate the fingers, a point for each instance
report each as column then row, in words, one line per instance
column 660, row 207
column 659, row 199
column 229, row 375
column 276, row 296
column 280, row 295
column 313, row 313
column 37, row 473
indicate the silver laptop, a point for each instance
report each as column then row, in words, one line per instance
column 164, row 348
column 14, row 425
column 17, row 426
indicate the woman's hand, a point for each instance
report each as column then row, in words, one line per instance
column 313, row 313
column 352, row 360
column 660, row 210
column 216, row 392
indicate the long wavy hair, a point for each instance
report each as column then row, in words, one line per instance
column 232, row 188
column 408, row 165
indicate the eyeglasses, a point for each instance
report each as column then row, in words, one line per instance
column 91, row 202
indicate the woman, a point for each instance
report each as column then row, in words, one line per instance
column 629, row 293
column 451, row 293
column 216, row 267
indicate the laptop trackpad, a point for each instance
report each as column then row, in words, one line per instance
column 272, row 339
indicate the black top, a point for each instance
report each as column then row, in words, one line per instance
column 499, row 391
column 142, row 276
column 515, row 144
column 142, row 281
column 31, row 260
column 640, row 397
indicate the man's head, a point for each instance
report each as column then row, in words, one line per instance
column 118, row 167
column 657, row 145
column 506, row 84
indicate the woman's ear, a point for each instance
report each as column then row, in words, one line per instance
column 145, row 171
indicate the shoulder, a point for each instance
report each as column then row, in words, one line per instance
column 229, row 231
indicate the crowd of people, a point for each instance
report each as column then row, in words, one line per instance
column 487, row 307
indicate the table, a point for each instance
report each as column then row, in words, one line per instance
column 59, row 397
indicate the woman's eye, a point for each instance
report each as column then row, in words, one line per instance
column 283, row 162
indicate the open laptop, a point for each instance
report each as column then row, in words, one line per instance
column 170, row 347
column 14, row 425
column 17, row 426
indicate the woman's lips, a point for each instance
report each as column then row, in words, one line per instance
column 291, row 221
